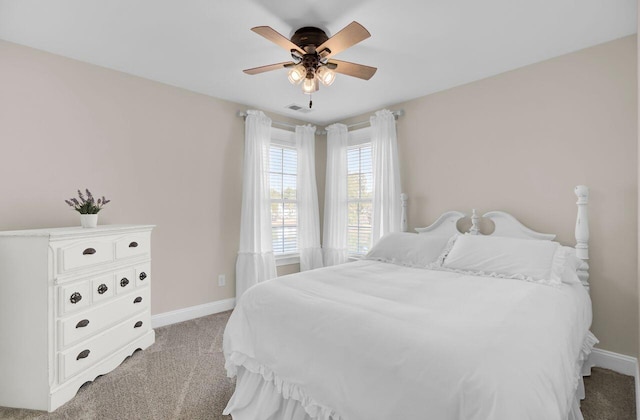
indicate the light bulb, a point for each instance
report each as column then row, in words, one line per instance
column 310, row 85
column 326, row 75
column 296, row 74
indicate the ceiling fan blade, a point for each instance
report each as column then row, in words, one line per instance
column 262, row 69
column 352, row 69
column 277, row 38
column 348, row 36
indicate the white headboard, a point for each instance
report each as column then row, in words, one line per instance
column 445, row 224
column 507, row 225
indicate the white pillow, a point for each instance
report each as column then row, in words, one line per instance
column 409, row 249
column 496, row 256
column 572, row 264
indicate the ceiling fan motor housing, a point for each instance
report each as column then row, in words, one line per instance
column 309, row 36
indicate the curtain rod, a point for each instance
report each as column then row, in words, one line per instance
column 243, row 115
column 396, row 114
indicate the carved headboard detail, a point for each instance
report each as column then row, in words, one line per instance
column 507, row 225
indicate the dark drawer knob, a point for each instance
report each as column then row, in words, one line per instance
column 89, row 251
column 83, row 354
column 75, row 297
column 82, row 323
column 133, row 245
column 143, row 275
column 137, row 300
column 102, row 289
column 138, row 324
column 124, row 282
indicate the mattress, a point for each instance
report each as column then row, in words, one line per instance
column 372, row 340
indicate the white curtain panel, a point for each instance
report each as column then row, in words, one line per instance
column 387, row 206
column 334, row 245
column 307, row 196
column 255, row 261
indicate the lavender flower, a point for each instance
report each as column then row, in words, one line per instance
column 87, row 205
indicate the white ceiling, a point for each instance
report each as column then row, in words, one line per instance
column 419, row 46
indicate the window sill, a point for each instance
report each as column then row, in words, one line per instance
column 356, row 257
column 287, row 259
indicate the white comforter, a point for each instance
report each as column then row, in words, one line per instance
column 370, row 340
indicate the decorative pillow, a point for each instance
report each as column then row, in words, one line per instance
column 496, row 256
column 572, row 264
column 409, row 249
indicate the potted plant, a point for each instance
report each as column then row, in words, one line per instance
column 88, row 207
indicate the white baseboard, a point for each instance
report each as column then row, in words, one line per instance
column 616, row 362
column 192, row 312
column 620, row 363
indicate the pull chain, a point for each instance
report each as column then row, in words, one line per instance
column 310, row 101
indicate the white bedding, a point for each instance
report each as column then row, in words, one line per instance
column 371, row 340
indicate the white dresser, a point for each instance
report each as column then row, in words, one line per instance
column 74, row 303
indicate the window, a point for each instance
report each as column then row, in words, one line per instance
column 283, row 168
column 360, row 192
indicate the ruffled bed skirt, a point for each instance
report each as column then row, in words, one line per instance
column 582, row 369
column 261, row 395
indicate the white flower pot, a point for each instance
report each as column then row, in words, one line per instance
column 89, row 220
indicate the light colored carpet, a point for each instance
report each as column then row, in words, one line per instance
column 182, row 377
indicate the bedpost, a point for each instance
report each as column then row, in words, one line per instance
column 582, row 233
column 403, row 219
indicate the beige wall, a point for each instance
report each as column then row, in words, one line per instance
column 520, row 142
column 163, row 155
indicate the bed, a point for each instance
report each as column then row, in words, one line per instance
column 434, row 325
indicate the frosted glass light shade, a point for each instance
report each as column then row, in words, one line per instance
column 297, row 74
column 326, row 75
column 310, row 85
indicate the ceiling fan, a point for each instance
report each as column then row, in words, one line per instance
column 312, row 51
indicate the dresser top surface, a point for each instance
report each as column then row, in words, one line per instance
column 76, row 231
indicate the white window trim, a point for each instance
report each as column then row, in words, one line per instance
column 281, row 137
column 360, row 136
column 287, row 259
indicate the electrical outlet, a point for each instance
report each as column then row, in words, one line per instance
column 222, row 280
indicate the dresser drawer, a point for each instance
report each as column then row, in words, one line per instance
column 82, row 325
column 85, row 254
column 125, row 280
column 133, row 245
column 143, row 274
column 103, row 287
column 85, row 355
column 73, row 297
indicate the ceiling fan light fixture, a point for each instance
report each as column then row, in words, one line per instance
column 297, row 74
column 311, row 49
column 326, row 75
column 310, row 85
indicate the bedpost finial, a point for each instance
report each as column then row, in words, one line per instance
column 582, row 192
column 474, row 230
